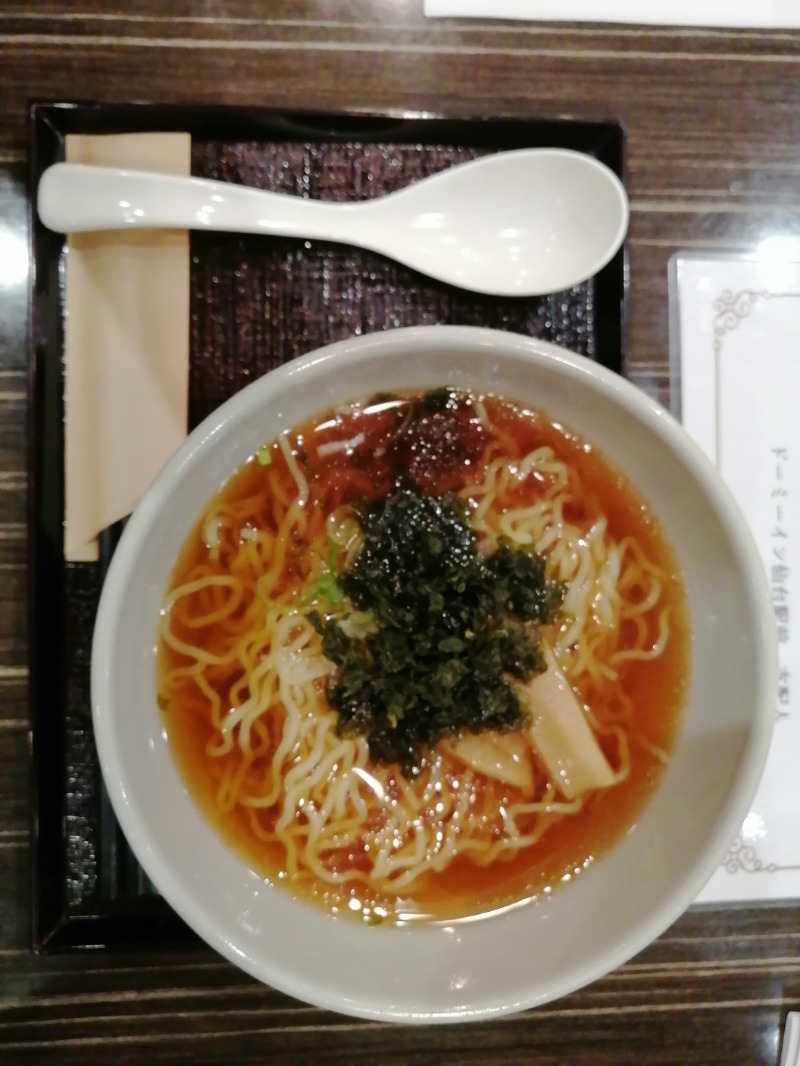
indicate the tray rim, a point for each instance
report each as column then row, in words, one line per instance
column 147, row 922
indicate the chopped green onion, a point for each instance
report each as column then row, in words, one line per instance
column 326, row 588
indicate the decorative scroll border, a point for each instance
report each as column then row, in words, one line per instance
column 731, row 309
column 743, row 858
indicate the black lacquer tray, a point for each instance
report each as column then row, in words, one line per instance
column 255, row 303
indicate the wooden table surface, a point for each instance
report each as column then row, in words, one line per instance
column 713, row 126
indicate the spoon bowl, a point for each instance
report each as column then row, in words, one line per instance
column 519, row 223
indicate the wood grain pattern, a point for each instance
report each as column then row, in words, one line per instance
column 713, row 124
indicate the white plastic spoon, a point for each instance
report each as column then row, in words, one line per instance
column 517, row 223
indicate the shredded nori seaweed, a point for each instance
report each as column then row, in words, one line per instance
column 447, row 625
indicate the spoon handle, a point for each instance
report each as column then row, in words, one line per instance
column 75, row 198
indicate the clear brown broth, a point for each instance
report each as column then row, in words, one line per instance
column 657, row 687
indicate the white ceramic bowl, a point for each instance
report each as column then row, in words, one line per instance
column 532, row 954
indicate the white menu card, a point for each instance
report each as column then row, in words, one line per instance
column 736, row 350
column 764, row 14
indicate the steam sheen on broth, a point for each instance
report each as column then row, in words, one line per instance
column 471, row 826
